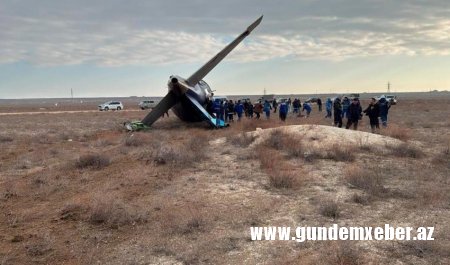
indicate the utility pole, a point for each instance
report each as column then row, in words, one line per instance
column 264, row 91
column 389, row 88
column 71, row 94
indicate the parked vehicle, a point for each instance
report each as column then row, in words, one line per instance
column 311, row 100
column 392, row 99
column 281, row 100
column 220, row 98
column 147, row 104
column 111, row 105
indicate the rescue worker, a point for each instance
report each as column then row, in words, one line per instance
column 354, row 114
column 384, row 106
column 319, row 104
column 275, row 105
column 246, row 108
column 307, row 108
column 283, row 111
column 258, row 109
column 239, row 109
column 329, row 107
column 345, row 105
column 296, row 105
column 337, row 112
column 230, row 110
column 267, row 108
column 216, row 109
column 373, row 111
column 225, row 108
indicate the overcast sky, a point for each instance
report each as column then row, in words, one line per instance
column 126, row 48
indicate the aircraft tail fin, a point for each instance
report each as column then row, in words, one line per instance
column 205, row 69
column 163, row 106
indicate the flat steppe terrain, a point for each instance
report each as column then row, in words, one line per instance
column 75, row 188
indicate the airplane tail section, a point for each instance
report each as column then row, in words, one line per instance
column 163, row 106
column 205, row 69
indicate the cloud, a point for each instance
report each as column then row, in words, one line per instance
column 117, row 33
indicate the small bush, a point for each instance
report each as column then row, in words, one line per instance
column 284, row 179
column 406, row 150
column 360, row 199
column 242, row 140
column 275, row 140
column 112, row 212
column 343, row 253
column 5, row 139
column 397, row 132
column 443, row 157
column 94, row 161
column 330, row 209
column 183, row 221
column 366, row 179
column 131, row 140
column 295, row 148
column 341, row 152
column 136, row 139
column 71, row 211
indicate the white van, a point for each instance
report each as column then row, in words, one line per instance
column 147, row 104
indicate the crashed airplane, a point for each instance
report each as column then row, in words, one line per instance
column 188, row 97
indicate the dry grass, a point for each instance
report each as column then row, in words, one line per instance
column 406, row 150
column 329, row 208
column 113, row 212
column 343, row 253
column 341, row 152
column 197, row 202
column 284, row 179
column 281, row 174
column 369, row 180
column 5, row 139
column 93, row 161
column 397, row 132
column 242, row 139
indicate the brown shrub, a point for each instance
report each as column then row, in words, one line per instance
column 137, row 139
column 285, row 179
column 94, row 161
column 406, row 150
column 330, row 209
column 5, row 139
column 368, row 180
column 341, row 152
column 397, row 132
column 186, row 220
column 275, row 140
column 343, row 253
column 71, row 211
column 281, row 174
column 294, row 147
column 242, row 139
column 268, row 158
column 360, row 199
column 105, row 209
column 443, row 157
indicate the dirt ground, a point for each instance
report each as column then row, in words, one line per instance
column 75, row 188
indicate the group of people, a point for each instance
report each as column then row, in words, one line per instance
column 338, row 108
column 226, row 109
column 352, row 110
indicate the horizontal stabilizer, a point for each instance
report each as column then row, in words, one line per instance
column 163, row 106
column 218, row 123
column 205, row 69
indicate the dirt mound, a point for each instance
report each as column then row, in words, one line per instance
column 321, row 135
